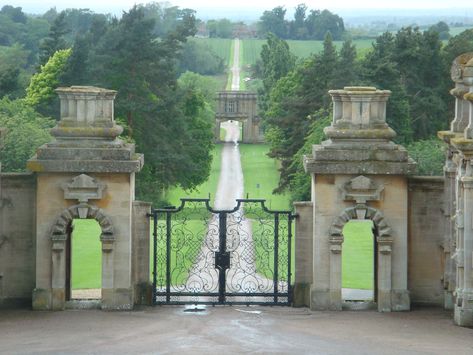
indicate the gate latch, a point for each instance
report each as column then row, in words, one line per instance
column 222, row 260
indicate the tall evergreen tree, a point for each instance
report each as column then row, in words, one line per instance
column 55, row 40
column 347, row 67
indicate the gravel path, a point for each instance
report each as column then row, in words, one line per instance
column 236, row 65
column 242, row 276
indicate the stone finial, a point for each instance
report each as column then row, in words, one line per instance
column 460, row 75
column 86, row 112
column 359, row 113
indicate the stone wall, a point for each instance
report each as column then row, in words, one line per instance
column 426, row 233
column 17, row 235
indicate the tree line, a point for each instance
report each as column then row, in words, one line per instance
column 314, row 24
column 295, row 104
column 165, row 109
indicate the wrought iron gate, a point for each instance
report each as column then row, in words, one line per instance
column 236, row 256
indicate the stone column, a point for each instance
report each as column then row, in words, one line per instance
column 58, row 272
column 384, row 274
column 336, row 273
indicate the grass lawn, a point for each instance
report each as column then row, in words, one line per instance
column 230, row 65
column 261, row 176
column 357, row 255
column 173, row 196
column 86, row 254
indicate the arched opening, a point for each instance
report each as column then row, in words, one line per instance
column 83, row 260
column 359, row 270
column 382, row 248
column 231, row 131
column 63, row 234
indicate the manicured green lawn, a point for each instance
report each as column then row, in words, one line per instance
column 86, row 254
column 357, row 255
column 261, row 175
column 174, row 195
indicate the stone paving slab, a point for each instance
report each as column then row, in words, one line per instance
column 232, row 330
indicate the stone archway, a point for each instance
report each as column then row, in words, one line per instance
column 59, row 236
column 384, row 242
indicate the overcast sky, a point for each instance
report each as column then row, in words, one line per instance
column 114, row 6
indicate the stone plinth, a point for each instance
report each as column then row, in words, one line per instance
column 359, row 173
column 86, row 136
column 85, row 172
column 359, row 137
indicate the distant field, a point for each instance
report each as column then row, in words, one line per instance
column 457, row 30
column 251, row 48
column 302, row 49
column 221, row 46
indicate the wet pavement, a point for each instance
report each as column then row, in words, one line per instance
column 232, row 330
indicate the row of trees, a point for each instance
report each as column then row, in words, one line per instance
column 166, row 112
column 313, row 25
column 412, row 64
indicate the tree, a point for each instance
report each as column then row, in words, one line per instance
column 291, row 102
column 198, row 57
column 12, row 62
column 76, row 69
column 429, row 155
column 273, row 21
column 277, row 60
column 459, row 44
column 320, row 22
column 40, row 93
column 166, row 122
column 300, row 181
column 347, row 66
column 442, row 29
column 55, row 40
column 298, row 29
column 380, row 69
column 14, row 13
column 26, row 131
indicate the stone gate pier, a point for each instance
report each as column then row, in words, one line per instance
column 87, row 172
column 359, row 173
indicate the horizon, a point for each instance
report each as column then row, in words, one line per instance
column 207, row 9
